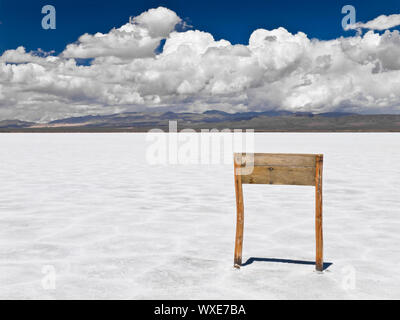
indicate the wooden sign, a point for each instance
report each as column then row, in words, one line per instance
column 278, row 169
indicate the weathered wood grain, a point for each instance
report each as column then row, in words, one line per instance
column 279, row 159
column 281, row 175
column 319, row 263
column 239, row 213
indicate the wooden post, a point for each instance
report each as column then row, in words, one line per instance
column 239, row 211
column 319, row 261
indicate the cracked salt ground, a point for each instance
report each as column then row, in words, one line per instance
column 113, row 226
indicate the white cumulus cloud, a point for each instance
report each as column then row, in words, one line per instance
column 382, row 22
column 195, row 72
column 133, row 40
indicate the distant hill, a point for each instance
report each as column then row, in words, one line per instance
column 15, row 124
column 269, row 121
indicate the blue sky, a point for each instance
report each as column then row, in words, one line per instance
column 235, row 57
column 230, row 20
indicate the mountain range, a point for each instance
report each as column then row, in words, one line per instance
column 267, row 121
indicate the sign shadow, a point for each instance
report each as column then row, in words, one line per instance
column 249, row 261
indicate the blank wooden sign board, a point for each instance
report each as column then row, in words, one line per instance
column 278, row 169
